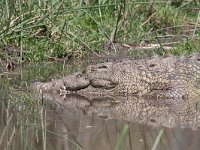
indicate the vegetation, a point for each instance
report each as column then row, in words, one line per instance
column 38, row 30
column 42, row 30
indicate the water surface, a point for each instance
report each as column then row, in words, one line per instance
column 60, row 122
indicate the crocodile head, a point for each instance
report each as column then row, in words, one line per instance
column 94, row 78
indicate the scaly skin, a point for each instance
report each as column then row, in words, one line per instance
column 131, row 108
column 169, row 77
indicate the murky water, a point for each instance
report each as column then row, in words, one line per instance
column 69, row 122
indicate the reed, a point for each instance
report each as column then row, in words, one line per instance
column 63, row 29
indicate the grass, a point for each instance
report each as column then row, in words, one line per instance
column 24, row 123
column 14, row 128
column 122, row 137
column 69, row 29
column 58, row 29
column 23, row 117
column 157, row 140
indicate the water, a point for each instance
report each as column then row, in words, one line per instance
column 73, row 123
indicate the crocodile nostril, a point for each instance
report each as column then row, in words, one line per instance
column 79, row 75
column 152, row 65
column 153, row 120
column 140, row 66
column 198, row 59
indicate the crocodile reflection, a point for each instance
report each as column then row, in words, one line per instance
column 132, row 108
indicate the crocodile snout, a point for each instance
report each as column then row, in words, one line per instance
column 76, row 81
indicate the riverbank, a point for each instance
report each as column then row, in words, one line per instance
column 63, row 30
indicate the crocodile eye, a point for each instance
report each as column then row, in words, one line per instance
column 101, row 67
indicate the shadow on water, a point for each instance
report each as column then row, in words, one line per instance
column 75, row 122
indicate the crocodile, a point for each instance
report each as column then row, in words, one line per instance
column 163, row 78
column 130, row 108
